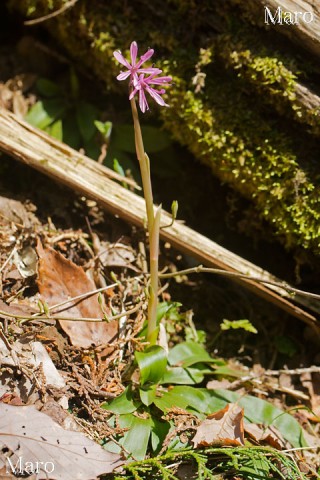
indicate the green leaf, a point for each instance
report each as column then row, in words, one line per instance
column 122, row 404
column 236, row 324
column 154, row 139
column 260, row 411
column 226, row 371
column 86, row 114
column 184, row 397
column 285, row 345
column 105, row 128
column 152, row 364
column 136, row 439
column 188, row 353
column 186, row 376
column 55, row 130
column 47, row 88
column 148, row 395
column 164, row 308
column 71, row 133
column 74, row 84
column 91, row 148
column 44, row 113
column 159, row 432
column 118, row 168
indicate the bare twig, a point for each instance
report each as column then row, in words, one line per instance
column 62, row 9
column 26, row 318
column 217, row 271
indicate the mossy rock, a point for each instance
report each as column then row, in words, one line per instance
column 235, row 102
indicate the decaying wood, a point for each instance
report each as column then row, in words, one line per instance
column 55, row 159
column 306, row 34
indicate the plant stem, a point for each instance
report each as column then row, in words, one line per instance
column 144, row 165
column 153, row 226
column 154, row 279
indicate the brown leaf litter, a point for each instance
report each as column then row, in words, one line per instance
column 59, row 280
column 39, row 445
column 222, row 428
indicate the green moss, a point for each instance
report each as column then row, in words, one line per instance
column 273, row 76
column 259, row 162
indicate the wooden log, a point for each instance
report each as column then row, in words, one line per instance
column 306, row 34
column 60, row 162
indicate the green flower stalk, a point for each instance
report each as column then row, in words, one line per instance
column 139, row 84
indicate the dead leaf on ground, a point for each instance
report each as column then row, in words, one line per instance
column 60, row 279
column 19, row 309
column 224, row 427
column 35, row 437
column 14, row 211
column 311, row 381
column 28, row 357
column 116, row 255
column 270, row 435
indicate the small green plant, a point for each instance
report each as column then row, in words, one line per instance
column 236, row 324
column 171, row 379
column 66, row 116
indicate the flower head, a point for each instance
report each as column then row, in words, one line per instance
column 144, row 84
column 134, row 68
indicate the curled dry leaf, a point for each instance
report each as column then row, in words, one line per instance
column 269, row 435
column 224, row 427
column 60, row 279
column 35, row 440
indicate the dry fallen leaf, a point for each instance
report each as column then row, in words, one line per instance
column 33, row 437
column 270, row 435
column 27, row 356
column 224, row 427
column 60, row 279
column 311, row 381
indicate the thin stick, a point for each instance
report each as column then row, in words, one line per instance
column 25, row 318
column 202, row 269
column 83, row 295
column 65, row 7
column 8, row 259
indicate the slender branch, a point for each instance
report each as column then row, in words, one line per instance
column 202, row 269
column 65, row 7
column 83, row 295
column 26, row 318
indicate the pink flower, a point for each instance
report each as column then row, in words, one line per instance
column 135, row 67
column 143, row 84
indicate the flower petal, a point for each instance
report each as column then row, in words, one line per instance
column 159, row 80
column 118, row 55
column 143, row 104
column 145, row 57
column 132, row 94
column 123, row 75
column 150, row 71
column 133, row 52
column 155, row 95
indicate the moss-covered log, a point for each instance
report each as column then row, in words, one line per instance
column 244, row 101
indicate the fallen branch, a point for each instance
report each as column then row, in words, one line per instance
column 60, row 162
column 305, row 34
